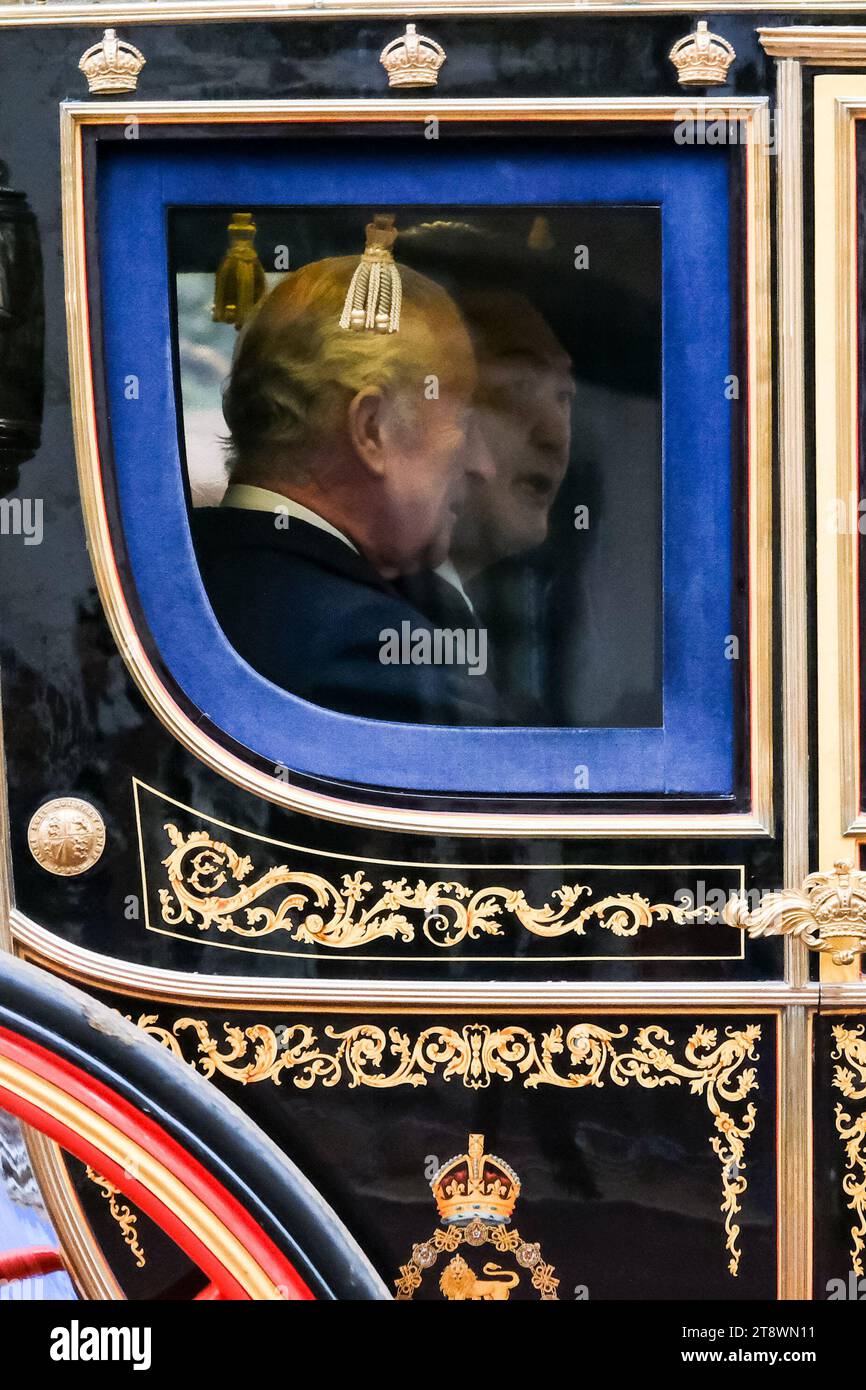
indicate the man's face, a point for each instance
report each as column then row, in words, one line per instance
column 438, row 459
column 524, row 405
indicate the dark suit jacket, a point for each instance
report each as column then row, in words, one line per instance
column 439, row 601
column 307, row 612
column 443, row 605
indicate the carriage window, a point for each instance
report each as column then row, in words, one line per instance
column 424, row 455
column 434, row 494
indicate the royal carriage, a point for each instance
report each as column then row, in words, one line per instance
column 339, row 976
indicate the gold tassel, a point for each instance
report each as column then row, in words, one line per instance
column 375, row 293
column 240, row 280
column 540, row 238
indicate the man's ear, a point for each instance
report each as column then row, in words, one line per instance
column 367, row 420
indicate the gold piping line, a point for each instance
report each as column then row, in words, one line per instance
column 75, row 115
column 760, row 519
column 100, row 972
column 794, row 1153
column 792, row 433
column 819, row 45
column 187, row 1207
column 521, row 961
column 222, row 11
column 794, row 1065
column 396, row 863
column 838, row 102
column 842, row 998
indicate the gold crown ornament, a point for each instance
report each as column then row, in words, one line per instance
column 412, row 60
column 112, row 65
column 475, row 1193
column 702, row 59
column 375, row 291
column 475, row 1186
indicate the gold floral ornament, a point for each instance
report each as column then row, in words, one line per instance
column 125, row 1219
column 475, row 1193
column 412, row 60
column 827, row 914
column 318, row 913
column 702, row 59
column 851, row 1081
column 112, row 65
column 479, row 1055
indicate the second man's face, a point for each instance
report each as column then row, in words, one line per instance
column 441, row 455
column 523, row 411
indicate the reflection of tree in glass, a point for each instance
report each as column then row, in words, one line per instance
column 205, row 354
column 205, row 348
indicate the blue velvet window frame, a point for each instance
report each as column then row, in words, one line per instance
column 692, row 753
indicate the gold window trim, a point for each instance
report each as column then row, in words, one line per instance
column 757, row 821
column 839, row 102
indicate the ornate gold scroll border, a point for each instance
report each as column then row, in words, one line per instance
column 851, row 1081
column 199, row 868
column 752, row 114
column 584, row 1054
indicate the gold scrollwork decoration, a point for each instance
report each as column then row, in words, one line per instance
column 827, row 914
column 851, row 1081
column 584, row 1054
column 318, row 913
column 126, row 1220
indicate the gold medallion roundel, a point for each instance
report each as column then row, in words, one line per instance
column 66, row 836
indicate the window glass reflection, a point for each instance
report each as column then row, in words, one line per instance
column 425, row 474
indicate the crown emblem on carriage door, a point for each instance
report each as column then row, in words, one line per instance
column 112, row 65
column 476, row 1254
column 475, row 1185
column 702, row 59
column 412, row 60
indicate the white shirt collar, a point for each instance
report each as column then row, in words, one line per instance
column 261, row 499
column 447, row 572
